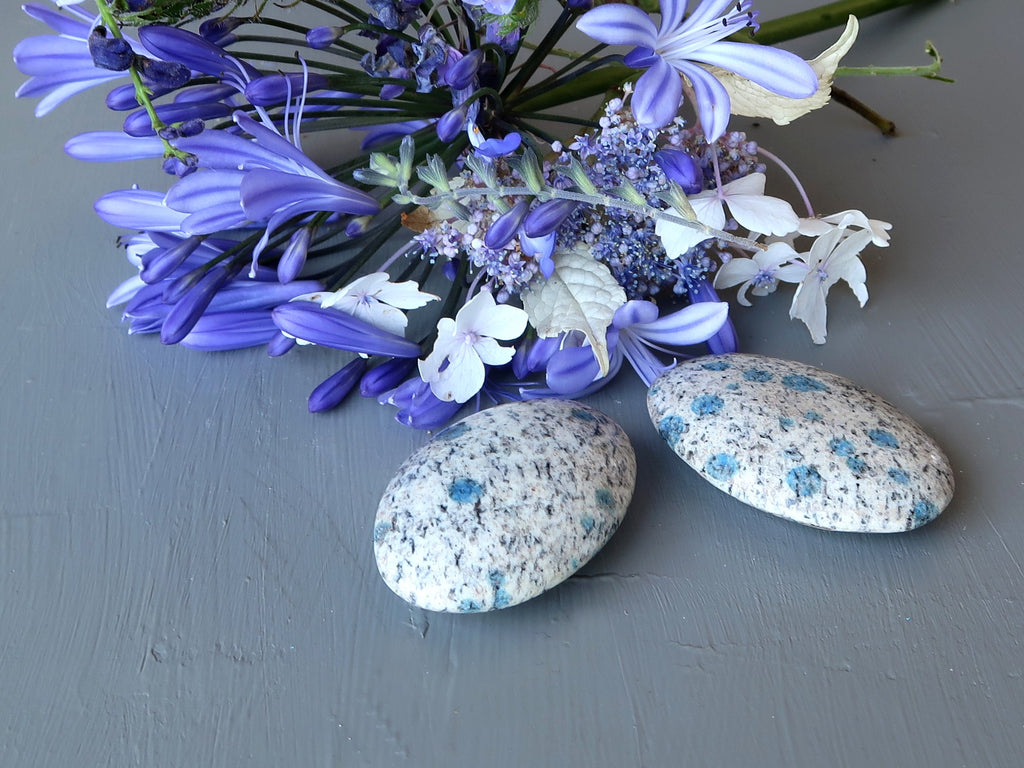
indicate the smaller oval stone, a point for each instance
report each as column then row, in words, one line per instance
column 801, row 443
column 503, row 505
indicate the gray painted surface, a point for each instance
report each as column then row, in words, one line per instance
column 186, row 566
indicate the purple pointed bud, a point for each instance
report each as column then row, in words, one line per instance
column 113, row 53
column 460, row 75
column 386, row 376
column 106, row 146
column 547, row 217
column 280, row 344
column 504, row 228
column 187, row 310
column 451, row 269
column 333, row 328
column 334, row 389
column 180, row 166
column 218, row 31
column 162, row 75
column 580, row 5
column 294, row 257
column 323, row 37
column 139, row 5
column 451, row 123
column 139, row 123
column 221, row 331
column 418, row 407
column 571, row 370
column 681, row 168
column 276, row 89
column 358, row 226
column 161, row 262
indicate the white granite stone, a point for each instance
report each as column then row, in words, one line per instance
column 801, row 443
column 503, row 505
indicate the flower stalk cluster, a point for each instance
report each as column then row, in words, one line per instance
column 541, row 250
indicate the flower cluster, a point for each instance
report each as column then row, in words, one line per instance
column 542, row 250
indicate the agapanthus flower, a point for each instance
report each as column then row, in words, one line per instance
column 455, row 367
column 681, row 45
column 59, row 65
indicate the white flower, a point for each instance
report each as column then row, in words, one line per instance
column 845, row 220
column 833, row 257
column 747, row 203
column 761, row 274
column 376, row 300
column 455, row 367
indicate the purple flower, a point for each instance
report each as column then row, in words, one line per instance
column 220, row 331
column 681, row 45
column 266, row 180
column 59, row 65
column 418, row 407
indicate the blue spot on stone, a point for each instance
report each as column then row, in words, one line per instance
column 805, row 481
column 470, row 606
column 721, row 466
column 785, row 422
column 495, row 578
column 588, row 523
column 802, row 383
column 455, row 430
column 857, row 466
column 924, row 511
column 813, row 416
column 604, row 498
column 574, row 563
column 380, row 530
column 899, row 475
column 732, row 387
column 758, row 375
column 671, row 427
column 841, row 447
column 707, row 405
column 579, row 413
column 502, row 598
column 716, row 365
column 883, row 438
column 465, row 491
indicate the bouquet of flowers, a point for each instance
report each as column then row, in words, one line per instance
column 541, row 250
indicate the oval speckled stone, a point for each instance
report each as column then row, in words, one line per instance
column 503, row 505
column 801, row 443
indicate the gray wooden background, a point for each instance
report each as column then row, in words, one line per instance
column 186, row 571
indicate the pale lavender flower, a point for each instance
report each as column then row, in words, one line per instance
column 681, row 45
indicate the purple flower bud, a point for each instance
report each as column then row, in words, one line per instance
column 460, row 75
column 277, row 89
column 451, row 269
column 113, row 53
column 418, row 407
column 280, row 344
column 334, row 389
column 294, row 257
column 386, row 376
column 139, row 5
column 504, row 228
column 180, row 166
column 547, row 217
column 358, row 226
column 187, row 310
column 220, row 331
column 323, row 37
column 162, row 75
column 681, row 168
column 218, row 31
column 580, row 5
column 451, row 123
column 138, row 123
column 161, row 262
column 333, row 328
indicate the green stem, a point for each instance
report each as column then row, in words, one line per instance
column 884, row 124
column 822, row 17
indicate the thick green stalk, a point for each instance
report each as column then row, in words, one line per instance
column 823, row 17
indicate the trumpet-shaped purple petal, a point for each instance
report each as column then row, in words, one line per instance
column 340, row 330
column 138, row 209
column 195, row 52
column 109, row 146
column 386, row 376
column 418, row 407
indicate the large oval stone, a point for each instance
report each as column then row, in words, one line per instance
column 503, row 505
column 801, row 443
